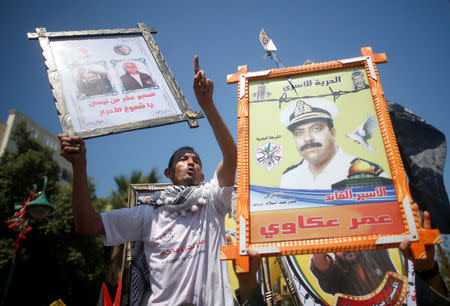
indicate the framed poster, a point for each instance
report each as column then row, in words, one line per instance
column 111, row 81
column 318, row 164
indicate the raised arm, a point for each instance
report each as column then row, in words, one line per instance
column 203, row 88
column 87, row 221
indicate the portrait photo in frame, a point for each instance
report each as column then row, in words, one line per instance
column 318, row 164
column 111, row 81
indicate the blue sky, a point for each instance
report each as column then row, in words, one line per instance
column 413, row 34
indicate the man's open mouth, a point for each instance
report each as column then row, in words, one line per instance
column 190, row 171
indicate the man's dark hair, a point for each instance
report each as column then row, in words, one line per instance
column 329, row 123
column 179, row 151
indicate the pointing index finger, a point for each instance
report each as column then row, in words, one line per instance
column 196, row 65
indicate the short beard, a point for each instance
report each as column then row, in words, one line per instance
column 189, row 181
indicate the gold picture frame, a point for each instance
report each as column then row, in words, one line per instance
column 111, row 81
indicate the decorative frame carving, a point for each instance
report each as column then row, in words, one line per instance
column 252, row 222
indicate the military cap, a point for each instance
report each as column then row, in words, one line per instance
column 357, row 72
column 307, row 110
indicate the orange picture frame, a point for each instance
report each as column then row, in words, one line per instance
column 280, row 218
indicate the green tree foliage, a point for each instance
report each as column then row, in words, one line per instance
column 21, row 169
column 119, row 197
column 53, row 261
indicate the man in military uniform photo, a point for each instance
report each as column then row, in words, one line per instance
column 324, row 162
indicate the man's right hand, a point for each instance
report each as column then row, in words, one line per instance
column 87, row 221
column 72, row 148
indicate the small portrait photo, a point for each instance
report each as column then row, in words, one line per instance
column 122, row 49
column 134, row 75
column 262, row 93
column 92, row 80
column 358, row 80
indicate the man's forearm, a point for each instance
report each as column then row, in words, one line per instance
column 248, row 288
column 433, row 278
column 226, row 171
column 204, row 88
column 87, row 221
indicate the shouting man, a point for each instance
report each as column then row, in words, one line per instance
column 184, row 228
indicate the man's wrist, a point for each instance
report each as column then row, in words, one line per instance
column 207, row 105
column 248, row 280
column 429, row 274
column 249, row 296
column 247, row 286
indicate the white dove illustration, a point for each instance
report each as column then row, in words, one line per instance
column 364, row 132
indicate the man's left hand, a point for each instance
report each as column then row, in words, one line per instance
column 203, row 87
column 248, row 283
column 428, row 263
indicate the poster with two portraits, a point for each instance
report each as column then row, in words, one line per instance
column 320, row 179
column 111, row 81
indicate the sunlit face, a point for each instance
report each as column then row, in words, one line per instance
column 315, row 142
column 187, row 170
column 358, row 79
column 131, row 68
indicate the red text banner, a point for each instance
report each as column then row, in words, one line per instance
column 324, row 222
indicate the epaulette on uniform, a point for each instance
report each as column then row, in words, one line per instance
column 293, row 166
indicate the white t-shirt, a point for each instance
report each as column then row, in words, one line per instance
column 182, row 252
